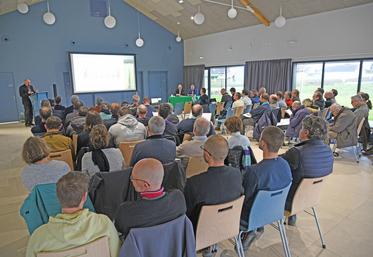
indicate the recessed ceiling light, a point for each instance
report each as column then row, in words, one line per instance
column 192, row 17
column 178, row 23
column 201, row 57
column 181, row 1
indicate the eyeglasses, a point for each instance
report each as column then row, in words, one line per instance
column 203, row 148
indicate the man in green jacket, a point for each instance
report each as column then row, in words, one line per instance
column 75, row 226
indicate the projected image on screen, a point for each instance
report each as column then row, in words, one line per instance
column 102, row 72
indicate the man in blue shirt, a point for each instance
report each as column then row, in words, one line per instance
column 272, row 173
column 262, row 108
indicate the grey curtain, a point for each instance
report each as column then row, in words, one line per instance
column 193, row 75
column 274, row 75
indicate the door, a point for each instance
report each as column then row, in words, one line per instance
column 157, row 84
column 8, row 98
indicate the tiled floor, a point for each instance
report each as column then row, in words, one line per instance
column 346, row 209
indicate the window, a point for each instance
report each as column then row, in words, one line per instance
column 344, row 77
column 217, row 81
column 206, row 78
column 307, row 78
column 235, row 78
column 367, row 81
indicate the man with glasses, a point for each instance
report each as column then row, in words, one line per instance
column 155, row 206
column 219, row 184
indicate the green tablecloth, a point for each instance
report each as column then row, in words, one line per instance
column 181, row 99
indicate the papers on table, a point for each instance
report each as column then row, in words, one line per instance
column 247, row 115
column 288, row 111
column 283, row 123
column 207, row 116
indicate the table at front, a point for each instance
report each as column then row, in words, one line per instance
column 181, row 99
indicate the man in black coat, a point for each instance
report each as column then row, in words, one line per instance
column 25, row 91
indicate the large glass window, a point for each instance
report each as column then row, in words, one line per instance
column 235, row 77
column 307, row 78
column 367, row 81
column 217, row 81
column 344, row 77
column 206, row 78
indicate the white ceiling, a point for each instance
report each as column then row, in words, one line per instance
column 169, row 12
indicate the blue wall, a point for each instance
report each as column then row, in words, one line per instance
column 40, row 52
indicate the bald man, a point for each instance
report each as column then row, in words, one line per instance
column 155, row 206
column 25, row 91
column 186, row 126
column 219, row 184
column 142, row 115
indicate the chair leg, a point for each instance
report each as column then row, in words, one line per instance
column 318, row 227
column 239, row 247
column 284, row 239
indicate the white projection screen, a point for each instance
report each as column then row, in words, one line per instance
column 91, row 72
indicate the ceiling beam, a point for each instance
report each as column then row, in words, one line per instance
column 256, row 12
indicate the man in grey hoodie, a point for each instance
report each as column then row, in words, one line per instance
column 127, row 128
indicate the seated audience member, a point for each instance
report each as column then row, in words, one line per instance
column 234, row 127
column 335, row 93
column 155, row 206
column 92, row 119
column 57, row 104
column 365, row 97
column 193, row 91
column 191, row 148
column 237, row 101
column 114, row 108
column 70, row 109
column 165, row 111
column 246, row 100
column 73, row 114
column 74, row 226
column 262, row 90
column 186, row 126
column 105, row 111
column 77, row 123
column 343, row 129
column 329, row 100
column 273, row 101
column 155, row 146
column 203, row 99
column 280, row 100
column 262, row 108
column 295, row 95
column 101, row 158
column 54, row 138
column 318, row 100
column 45, row 103
column 127, row 128
column 135, row 101
column 98, row 106
column 272, row 173
column 44, row 114
column 39, row 169
column 254, row 96
column 150, row 108
column 361, row 109
column 299, row 113
column 142, row 115
column 179, row 90
column 311, row 158
column 233, row 91
column 225, row 98
column 288, row 99
column 219, row 184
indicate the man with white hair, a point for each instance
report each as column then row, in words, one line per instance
column 74, row 101
column 343, row 129
column 191, row 148
column 25, row 91
column 155, row 206
column 155, row 146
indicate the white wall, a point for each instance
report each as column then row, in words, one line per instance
column 346, row 33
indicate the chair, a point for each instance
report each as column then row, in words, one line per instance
column 178, row 108
column 307, row 196
column 127, row 149
column 75, row 143
column 187, row 109
column 187, row 137
column 358, row 147
column 65, row 156
column 196, row 165
column 238, row 111
column 97, row 248
column 268, row 207
column 212, row 109
column 219, row 222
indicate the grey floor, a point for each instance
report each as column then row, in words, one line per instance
column 345, row 211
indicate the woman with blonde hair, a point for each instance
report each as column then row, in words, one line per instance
column 39, row 169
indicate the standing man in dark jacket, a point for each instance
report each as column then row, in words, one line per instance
column 25, row 91
column 309, row 159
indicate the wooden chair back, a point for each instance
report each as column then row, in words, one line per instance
column 219, row 108
column 187, row 107
column 65, row 156
column 196, row 165
column 238, row 111
column 75, row 143
column 127, row 149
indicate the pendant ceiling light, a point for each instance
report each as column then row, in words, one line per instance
column 280, row 20
column 232, row 12
column 199, row 18
column 109, row 20
column 22, row 8
column 49, row 17
column 178, row 38
column 139, row 41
